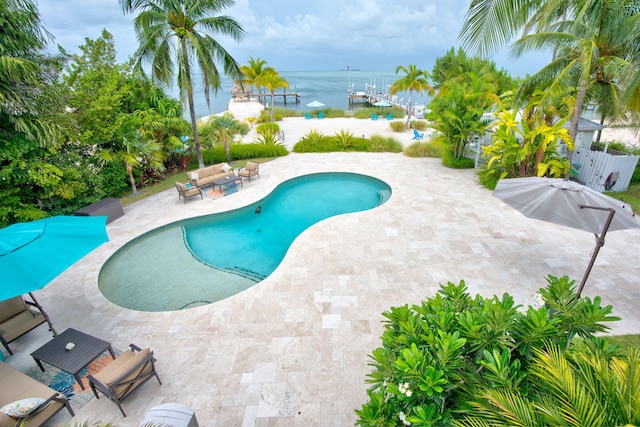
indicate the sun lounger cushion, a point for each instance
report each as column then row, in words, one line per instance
column 16, row 386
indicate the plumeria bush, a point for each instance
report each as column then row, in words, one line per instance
column 440, row 362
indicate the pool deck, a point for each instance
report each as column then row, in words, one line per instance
column 293, row 350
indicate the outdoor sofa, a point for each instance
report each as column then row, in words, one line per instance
column 16, row 386
column 205, row 176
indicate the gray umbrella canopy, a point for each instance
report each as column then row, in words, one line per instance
column 570, row 204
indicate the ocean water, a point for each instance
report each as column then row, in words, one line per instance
column 328, row 87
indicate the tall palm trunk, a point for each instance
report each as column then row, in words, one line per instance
column 192, row 110
column 409, row 110
column 132, row 180
column 272, row 104
column 573, row 129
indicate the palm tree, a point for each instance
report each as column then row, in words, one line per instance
column 587, row 37
column 180, row 27
column 136, row 152
column 253, row 71
column 586, row 48
column 414, row 79
column 271, row 80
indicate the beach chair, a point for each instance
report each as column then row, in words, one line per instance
column 417, row 135
column 321, row 115
column 389, row 116
column 307, row 116
column 374, row 116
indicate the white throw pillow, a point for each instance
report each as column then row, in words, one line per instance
column 21, row 408
column 194, row 176
column 226, row 167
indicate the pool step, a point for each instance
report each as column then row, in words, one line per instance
column 247, row 274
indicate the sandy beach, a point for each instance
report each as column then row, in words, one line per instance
column 295, row 128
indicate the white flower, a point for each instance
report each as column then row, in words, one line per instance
column 404, row 389
column 403, row 418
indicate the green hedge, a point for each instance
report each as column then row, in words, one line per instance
column 240, row 152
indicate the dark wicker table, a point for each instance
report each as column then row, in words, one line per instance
column 87, row 348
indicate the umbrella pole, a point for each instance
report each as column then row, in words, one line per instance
column 44, row 313
column 599, row 244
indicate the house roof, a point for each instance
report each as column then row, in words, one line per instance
column 585, row 125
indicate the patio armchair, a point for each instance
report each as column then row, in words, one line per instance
column 417, row 135
column 17, row 317
column 249, row 170
column 187, row 190
column 124, row 375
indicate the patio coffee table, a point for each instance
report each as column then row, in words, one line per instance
column 228, row 180
column 86, row 349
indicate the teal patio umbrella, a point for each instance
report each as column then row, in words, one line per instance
column 34, row 253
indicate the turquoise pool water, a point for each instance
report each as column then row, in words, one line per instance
column 206, row 259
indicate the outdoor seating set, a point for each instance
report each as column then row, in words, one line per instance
column 220, row 175
column 23, row 400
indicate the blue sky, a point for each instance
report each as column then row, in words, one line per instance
column 302, row 35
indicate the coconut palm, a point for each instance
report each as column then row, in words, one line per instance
column 271, row 80
column 253, row 71
column 586, row 48
column 414, row 79
column 587, row 37
column 175, row 33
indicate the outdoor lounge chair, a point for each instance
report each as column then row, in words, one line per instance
column 321, row 115
column 249, row 170
column 389, row 116
column 307, row 116
column 187, row 190
column 124, row 375
column 17, row 317
column 417, row 135
column 374, row 116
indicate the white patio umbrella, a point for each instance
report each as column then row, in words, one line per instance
column 570, row 204
column 315, row 104
column 382, row 103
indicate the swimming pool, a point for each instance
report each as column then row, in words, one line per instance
column 206, row 259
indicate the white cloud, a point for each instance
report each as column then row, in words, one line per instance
column 325, row 34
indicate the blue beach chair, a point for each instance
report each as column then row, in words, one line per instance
column 321, row 115
column 389, row 116
column 417, row 135
column 307, row 116
column 374, row 117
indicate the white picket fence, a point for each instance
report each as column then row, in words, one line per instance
column 599, row 170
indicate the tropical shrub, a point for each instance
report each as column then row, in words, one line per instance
column 316, row 142
column 366, row 112
column 380, row 144
column 424, row 149
column 398, row 126
column 440, row 359
column 526, row 147
column 240, row 152
column 452, row 162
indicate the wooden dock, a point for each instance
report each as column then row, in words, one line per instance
column 284, row 95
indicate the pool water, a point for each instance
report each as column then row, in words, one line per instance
column 206, row 259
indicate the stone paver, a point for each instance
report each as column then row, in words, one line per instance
column 293, row 350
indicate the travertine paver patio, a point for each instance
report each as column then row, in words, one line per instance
column 293, row 350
